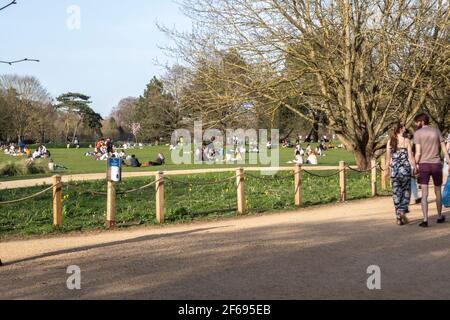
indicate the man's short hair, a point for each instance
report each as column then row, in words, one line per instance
column 423, row 117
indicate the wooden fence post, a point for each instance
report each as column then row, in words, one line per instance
column 342, row 182
column 160, row 197
column 374, row 177
column 240, row 178
column 57, row 202
column 383, row 174
column 298, row 185
column 111, row 205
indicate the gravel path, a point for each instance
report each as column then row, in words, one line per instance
column 322, row 252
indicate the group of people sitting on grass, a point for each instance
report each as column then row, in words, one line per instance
column 213, row 153
column 134, row 162
column 104, row 149
column 21, row 150
column 309, row 155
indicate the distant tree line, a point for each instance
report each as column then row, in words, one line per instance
column 28, row 113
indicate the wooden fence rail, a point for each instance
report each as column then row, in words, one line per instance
column 240, row 189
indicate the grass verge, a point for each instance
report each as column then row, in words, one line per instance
column 187, row 198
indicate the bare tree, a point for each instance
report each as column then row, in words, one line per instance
column 27, row 87
column 362, row 63
column 123, row 115
column 30, row 102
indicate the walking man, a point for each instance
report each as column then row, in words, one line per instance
column 429, row 143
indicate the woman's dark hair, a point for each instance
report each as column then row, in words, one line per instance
column 394, row 135
column 408, row 134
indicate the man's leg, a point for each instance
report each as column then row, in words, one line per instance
column 438, row 192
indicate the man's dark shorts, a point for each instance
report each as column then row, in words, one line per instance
column 428, row 170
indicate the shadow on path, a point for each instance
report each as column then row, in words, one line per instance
column 106, row 245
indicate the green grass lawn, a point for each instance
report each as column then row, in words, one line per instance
column 186, row 199
column 77, row 163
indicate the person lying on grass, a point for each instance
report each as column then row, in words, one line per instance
column 158, row 162
column 52, row 166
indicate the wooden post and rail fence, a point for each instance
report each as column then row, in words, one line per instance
column 240, row 190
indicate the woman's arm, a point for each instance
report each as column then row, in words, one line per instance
column 388, row 153
column 410, row 154
column 388, row 159
column 446, row 154
column 446, row 150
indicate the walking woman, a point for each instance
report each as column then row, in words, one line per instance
column 401, row 160
column 446, row 164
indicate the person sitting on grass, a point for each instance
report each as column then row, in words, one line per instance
column 285, row 144
column 28, row 152
column 36, row 154
column 98, row 146
column 308, row 149
column 21, row 147
column 122, row 155
column 134, row 162
column 44, row 152
column 312, row 159
column 298, row 157
column 238, row 155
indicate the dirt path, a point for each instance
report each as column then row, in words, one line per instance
column 322, row 252
column 99, row 176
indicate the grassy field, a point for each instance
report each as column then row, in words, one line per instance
column 77, row 163
column 187, row 198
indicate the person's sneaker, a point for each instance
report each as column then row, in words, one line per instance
column 424, row 224
column 418, row 200
column 442, row 219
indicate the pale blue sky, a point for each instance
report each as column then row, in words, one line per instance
column 111, row 57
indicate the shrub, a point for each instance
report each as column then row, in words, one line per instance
column 33, row 167
column 11, row 169
column 21, row 168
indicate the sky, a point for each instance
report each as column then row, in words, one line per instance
column 109, row 57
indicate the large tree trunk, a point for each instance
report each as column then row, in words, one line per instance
column 363, row 159
column 75, row 132
column 313, row 135
column 287, row 135
column 67, row 128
